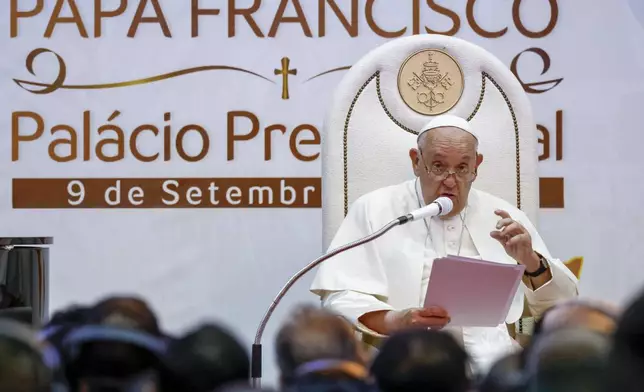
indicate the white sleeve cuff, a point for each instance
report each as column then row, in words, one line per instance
column 560, row 287
column 352, row 305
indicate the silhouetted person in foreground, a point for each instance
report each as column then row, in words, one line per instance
column 317, row 351
column 421, row 360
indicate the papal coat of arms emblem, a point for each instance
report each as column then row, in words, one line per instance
column 430, row 82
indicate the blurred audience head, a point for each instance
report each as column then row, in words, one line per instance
column 125, row 312
column 570, row 359
column 314, row 342
column 506, row 375
column 594, row 316
column 22, row 359
column 626, row 361
column 630, row 329
column 421, row 360
column 118, row 345
column 207, row 358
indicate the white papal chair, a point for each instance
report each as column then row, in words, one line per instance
column 394, row 90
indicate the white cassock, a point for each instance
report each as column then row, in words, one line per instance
column 392, row 272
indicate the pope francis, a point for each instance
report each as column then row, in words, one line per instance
column 381, row 286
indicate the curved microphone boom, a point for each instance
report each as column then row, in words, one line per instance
column 441, row 206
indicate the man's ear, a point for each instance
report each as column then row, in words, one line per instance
column 479, row 160
column 414, row 155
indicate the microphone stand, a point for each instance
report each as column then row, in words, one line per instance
column 256, row 356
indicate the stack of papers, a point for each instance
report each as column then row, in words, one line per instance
column 475, row 293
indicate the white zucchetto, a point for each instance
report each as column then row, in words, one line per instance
column 448, row 120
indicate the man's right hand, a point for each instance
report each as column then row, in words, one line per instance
column 387, row 322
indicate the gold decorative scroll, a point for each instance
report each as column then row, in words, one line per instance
column 328, row 72
column 59, row 82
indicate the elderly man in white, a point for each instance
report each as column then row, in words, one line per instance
column 381, row 286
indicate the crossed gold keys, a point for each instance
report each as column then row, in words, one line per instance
column 285, row 72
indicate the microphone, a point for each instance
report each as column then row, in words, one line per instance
column 440, row 206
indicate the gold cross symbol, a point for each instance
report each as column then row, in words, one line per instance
column 285, row 71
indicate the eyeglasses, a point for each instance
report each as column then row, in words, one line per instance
column 440, row 172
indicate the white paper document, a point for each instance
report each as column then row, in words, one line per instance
column 475, row 293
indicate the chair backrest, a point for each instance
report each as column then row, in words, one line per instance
column 394, row 90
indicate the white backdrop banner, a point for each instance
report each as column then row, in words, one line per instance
column 171, row 147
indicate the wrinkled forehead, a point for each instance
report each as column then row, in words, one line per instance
column 447, row 140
